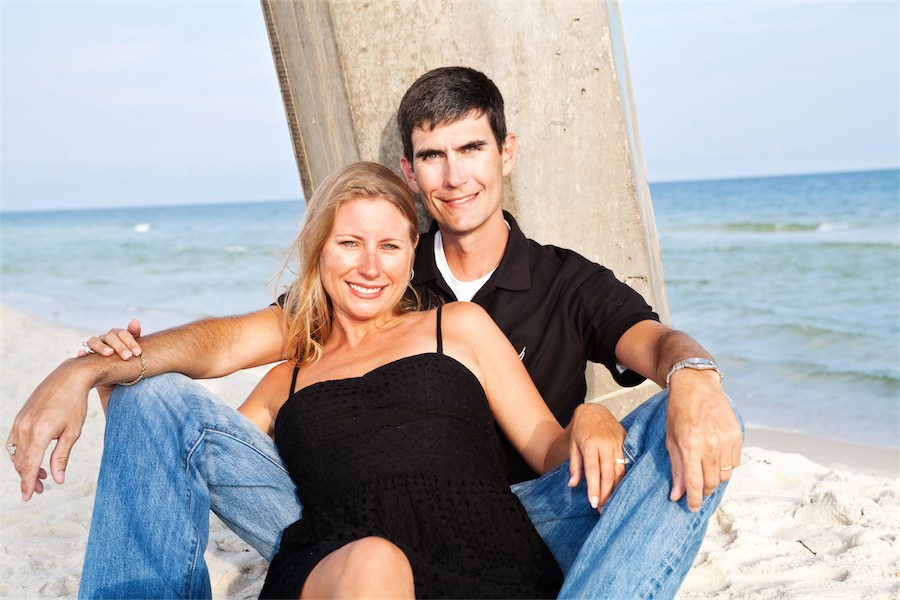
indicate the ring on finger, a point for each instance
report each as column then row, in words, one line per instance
column 86, row 348
column 726, row 468
column 621, row 461
column 12, row 448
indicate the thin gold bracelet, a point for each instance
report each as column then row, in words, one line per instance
column 141, row 375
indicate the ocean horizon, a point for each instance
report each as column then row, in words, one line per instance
column 791, row 281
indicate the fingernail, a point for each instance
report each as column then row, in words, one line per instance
column 137, row 351
column 595, row 501
column 107, row 352
column 126, row 356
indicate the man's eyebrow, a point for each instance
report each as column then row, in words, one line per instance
column 476, row 144
column 426, row 152
column 473, row 144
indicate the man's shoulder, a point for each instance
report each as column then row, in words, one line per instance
column 567, row 260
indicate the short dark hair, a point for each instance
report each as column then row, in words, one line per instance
column 446, row 95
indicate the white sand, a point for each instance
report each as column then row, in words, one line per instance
column 787, row 528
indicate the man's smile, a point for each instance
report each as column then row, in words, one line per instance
column 460, row 201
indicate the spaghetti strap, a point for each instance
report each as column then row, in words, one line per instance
column 293, row 381
column 440, row 341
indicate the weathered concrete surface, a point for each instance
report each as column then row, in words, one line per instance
column 343, row 66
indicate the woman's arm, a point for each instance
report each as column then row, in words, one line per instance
column 593, row 439
column 57, row 408
column 263, row 403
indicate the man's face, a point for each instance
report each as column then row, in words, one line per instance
column 458, row 170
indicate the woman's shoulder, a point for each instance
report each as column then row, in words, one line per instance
column 280, row 371
column 465, row 317
column 464, row 310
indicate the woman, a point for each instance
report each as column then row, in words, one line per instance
column 384, row 416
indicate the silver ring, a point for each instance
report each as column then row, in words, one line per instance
column 86, row 348
column 726, row 468
column 621, row 461
column 11, row 448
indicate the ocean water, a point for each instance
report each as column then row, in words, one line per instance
column 96, row 269
column 793, row 283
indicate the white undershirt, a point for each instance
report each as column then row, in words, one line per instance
column 463, row 290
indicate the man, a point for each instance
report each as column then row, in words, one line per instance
column 171, row 452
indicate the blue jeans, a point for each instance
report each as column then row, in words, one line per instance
column 172, row 453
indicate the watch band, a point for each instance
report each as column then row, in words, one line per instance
column 698, row 364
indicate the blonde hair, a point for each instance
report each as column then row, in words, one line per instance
column 307, row 308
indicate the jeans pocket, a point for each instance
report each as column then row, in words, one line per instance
column 631, row 450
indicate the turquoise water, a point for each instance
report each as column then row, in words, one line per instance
column 166, row 265
column 793, row 283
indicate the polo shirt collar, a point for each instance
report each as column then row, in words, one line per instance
column 513, row 272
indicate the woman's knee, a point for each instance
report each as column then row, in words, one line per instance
column 168, row 389
column 378, row 551
column 370, row 567
column 162, row 401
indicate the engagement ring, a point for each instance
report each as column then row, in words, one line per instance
column 11, row 448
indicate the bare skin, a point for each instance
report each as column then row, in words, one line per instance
column 370, row 567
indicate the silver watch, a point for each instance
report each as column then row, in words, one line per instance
column 700, row 364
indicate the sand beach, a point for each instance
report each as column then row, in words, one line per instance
column 803, row 517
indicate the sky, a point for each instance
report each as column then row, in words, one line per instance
column 125, row 103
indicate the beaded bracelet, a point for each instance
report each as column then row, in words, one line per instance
column 141, row 374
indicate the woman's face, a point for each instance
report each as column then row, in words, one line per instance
column 366, row 260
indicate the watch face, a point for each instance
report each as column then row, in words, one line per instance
column 701, row 363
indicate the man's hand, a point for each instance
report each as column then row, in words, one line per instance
column 120, row 341
column 56, row 410
column 597, row 447
column 703, row 435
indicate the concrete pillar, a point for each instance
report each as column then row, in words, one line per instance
column 580, row 182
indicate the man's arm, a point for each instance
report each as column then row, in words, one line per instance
column 56, row 410
column 703, row 435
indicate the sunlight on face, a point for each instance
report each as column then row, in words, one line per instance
column 367, row 259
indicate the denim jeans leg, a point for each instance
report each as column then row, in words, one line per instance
column 643, row 544
column 171, row 453
column 562, row 515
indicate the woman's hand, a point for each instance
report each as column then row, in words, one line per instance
column 120, row 341
column 596, row 446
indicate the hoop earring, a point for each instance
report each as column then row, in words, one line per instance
column 412, row 274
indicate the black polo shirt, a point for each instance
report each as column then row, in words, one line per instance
column 559, row 311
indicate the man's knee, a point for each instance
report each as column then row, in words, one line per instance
column 736, row 414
